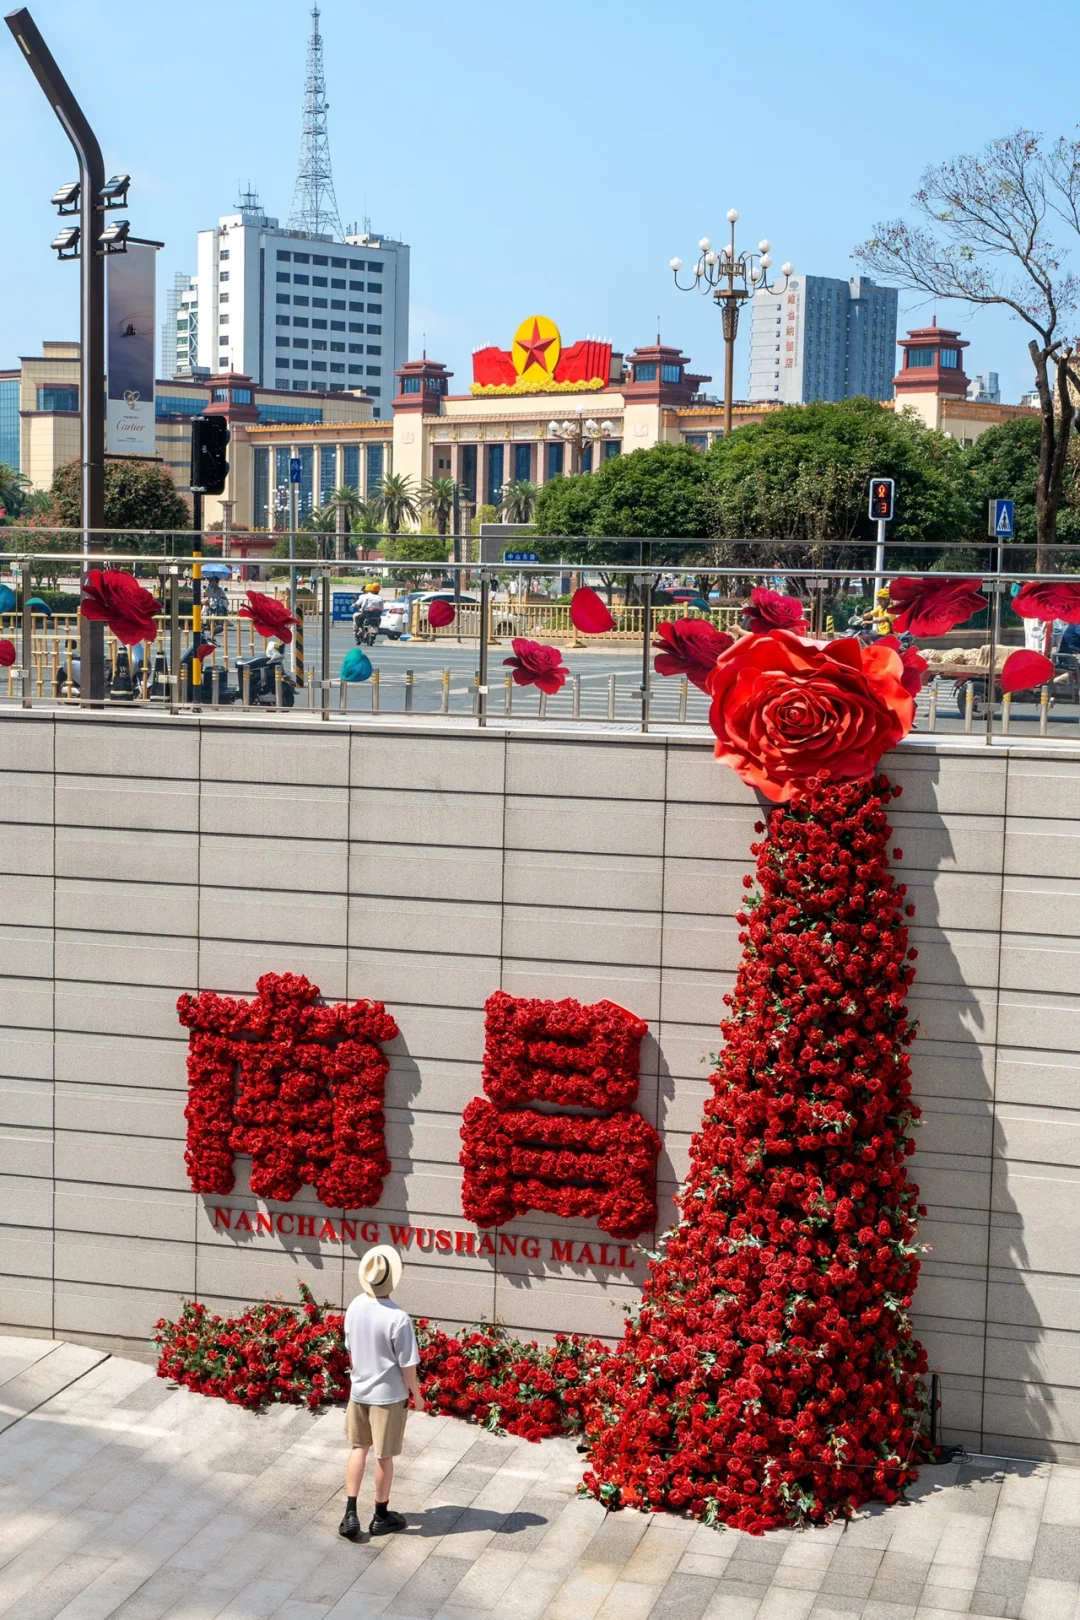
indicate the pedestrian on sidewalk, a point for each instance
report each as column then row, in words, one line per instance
column 384, row 1358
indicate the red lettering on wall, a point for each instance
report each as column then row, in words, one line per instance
column 562, row 1251
column 264, row 1223
column 444, row 1241
column 243, row 1224
column 305, row 1226
column 530, row 1248
column 328, row 1230
column 464, row 1242
column 370, row 1231
column 283, row 1230
column 401, row 1236
column 348, row 1230
column 222, row 1218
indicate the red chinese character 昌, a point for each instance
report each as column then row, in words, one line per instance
column 296, row 1085
column 518, row 1158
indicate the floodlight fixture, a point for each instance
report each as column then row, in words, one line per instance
column 114, row 237
column 66, row 197
column 114, row 191
column 66, row 242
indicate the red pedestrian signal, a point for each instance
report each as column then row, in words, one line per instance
column 881, row 499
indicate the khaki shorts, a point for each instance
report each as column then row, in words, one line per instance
column 380, row 1426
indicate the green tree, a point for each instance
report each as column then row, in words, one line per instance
column 439, row 497
column 428, row 551
column 802, row 473
column 139, row 495
column 397, row 502
column 1004, row 463
column 518, row 500
column 14, row 491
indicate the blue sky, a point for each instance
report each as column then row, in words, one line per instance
column 536, row 159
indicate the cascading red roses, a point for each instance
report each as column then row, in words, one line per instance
column 112, row 597
column 534, row 664
column 689, row 647
column 785, row 709
column 771, row 1374
column 296, row 1085
column 930, row 607
column 269, row 616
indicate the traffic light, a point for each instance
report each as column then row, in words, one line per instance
column 209, row 442
column 881, row 499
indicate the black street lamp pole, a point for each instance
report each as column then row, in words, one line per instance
column 92, row 319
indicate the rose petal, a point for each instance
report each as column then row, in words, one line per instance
column 588, row 613
column 7, row 654
column 1024, row 670
column 440, row 613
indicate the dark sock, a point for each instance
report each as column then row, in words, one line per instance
column 350, row 1504
column 382, row 1508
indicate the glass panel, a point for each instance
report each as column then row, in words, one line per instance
column 241, row 396
column 554, row 460
column 522, row 462
column 350, row 476
column 644, row 373
column 375, row 463
column 495, row 473
column 920, row 357
column 53, row 398
column 327, row 473
column 950, row 357
column 671, row 374
column 468, row 471
column 261, row 481
column 9, row 422
column 306, row 452
column 612, row 447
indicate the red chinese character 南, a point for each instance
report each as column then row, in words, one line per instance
column 518, row 1157
column 296, row 1085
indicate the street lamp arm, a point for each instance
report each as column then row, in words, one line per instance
column 43, row 66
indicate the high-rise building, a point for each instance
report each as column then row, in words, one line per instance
column 176, row 333
column 298, row 307
column 986, row 387
column 823, row 338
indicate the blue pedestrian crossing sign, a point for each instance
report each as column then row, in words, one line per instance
column 1001, row 520
column 294, row 469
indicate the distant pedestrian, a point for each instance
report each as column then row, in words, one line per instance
column 384, row 1358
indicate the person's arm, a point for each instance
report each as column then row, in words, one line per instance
column 411, row 1376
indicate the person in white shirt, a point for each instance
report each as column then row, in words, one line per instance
column 384, row 1358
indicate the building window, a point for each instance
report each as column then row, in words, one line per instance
column 318, row 343
column 283, row 255
column 327, row 473
column 299, row 364
column 300, row 386
column 374, row 331
column 318, row 281
column 337, row 348
column 374, row 309
column 241, row 396
column 282, row 382
column 357, row 309
column 350, row 472
column 300, row 320
column 586, row 458
column 373, row 390
column 306, row 453
column 951, row 358
column 468, row 471
column 298, row 298
column 224, row 254
column 280, row 361
column 317, row 324
column 697, row 441
column 223, row 320
column 671, row 374
column 374, row 286
column 376, row 461
column 261, row 483
column 356, row 264
column 301, row 258
column 522, row 462
column 283, row 320
column 337, row 326
column 409, row 385
column 337, row 303
column 283, row 275
column 644, row 373
column 281, row 342
column 374, row 371
column 371, row 264
column 220, row 396
column 612, row 447
column 356, row 286
column 318, row 365
column 302, row 280
column 283, row 298
column 356, row 348
column 374, row 348
column 334, row 366
column 356, row 371
column 52, row 398
column 318, row 303
column 554, row 460
column 319, row 258
column 300, row 343
column 224, row 276
column 337, row 264
column 355, row 326
column 919, row 358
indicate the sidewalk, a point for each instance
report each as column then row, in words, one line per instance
column 120, row 1496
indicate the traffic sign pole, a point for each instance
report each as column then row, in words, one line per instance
column 294, row 518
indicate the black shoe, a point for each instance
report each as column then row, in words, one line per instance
column 387, row 1525
column 350, row 1525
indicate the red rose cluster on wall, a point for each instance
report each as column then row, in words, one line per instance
column 296, row 1085
column 772, row 1374
column 518, row 1158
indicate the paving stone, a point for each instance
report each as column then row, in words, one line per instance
column 683, row 1597
column 1057, row 1553
column 425, row 1592
column 1000, row 1587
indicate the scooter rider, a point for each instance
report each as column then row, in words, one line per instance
column 369, row 611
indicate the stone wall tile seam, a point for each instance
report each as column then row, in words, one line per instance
column 993, row 1101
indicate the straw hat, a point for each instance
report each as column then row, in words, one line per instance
column 380, row 1271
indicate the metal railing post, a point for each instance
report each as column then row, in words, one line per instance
column 684, row 692
column 175, row 654
column 445, row 709
column 375, row 692
column 324, row 646
column 969, row 705
column 577, row 697
column 410, row 678
column 646, row 652
column 611, row 697
column 482, row 677
column 26, row 642
column 931, row 724
column 1044, row 709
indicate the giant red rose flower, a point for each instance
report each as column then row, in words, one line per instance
column 118, row 600
column 785, row 708
column 1049, row 599
column 769, row 610
column 536, row 665
column 915, row 665
column 7, row 653
column 930, row 607
column 269, row 616
column 689, row 647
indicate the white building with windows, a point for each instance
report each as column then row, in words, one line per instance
column 296, row 311
column 823, row 338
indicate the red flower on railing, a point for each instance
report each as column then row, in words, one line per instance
column 930, row 607
column 915, row 665
column 1048, row 599
column 7, row 653
column 785, row 709
column 689, row 647
column 269, row 616
column 296, row 1085
column 589, row 613
column 769, row 610
column 1025, row 670
column 440, row 613
column 117, row 599
column 537, row 665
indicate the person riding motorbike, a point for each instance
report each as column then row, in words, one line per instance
column 368, row 615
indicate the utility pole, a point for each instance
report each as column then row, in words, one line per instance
column 92, row 322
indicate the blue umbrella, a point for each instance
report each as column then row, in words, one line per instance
column 356, row 665
column 216, row 571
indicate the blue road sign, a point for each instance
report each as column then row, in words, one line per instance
column 1001, row 519
column 294, row 469
column 521, row 556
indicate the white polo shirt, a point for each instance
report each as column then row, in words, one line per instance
column 380, row 1339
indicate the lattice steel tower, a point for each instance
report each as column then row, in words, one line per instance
column 314, row 206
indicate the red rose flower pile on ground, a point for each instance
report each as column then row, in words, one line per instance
column 274, row 1352
column 296, row 1085
column 771, row 1374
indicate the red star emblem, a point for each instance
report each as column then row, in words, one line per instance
column 535, row 348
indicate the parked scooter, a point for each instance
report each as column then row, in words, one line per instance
column 263, row 677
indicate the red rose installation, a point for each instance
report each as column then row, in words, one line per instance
column 518, row 1158
column 269, row 616
column 7, row 653
column 441, row 613
column 769, row 610
column 1025, row 669
column 589, row 613
column 689, row 647
column 1048, row 599
column 296, row 1085
column 535, row 664
column 117, row 599
column 930, row 607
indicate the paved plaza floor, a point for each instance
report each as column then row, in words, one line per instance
column 122, row 1495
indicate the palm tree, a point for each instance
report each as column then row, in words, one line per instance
column 518, row 500
column 440, row 497
column 397, row 502
column 14, row 490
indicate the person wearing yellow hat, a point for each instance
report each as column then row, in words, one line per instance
column 384, row 1358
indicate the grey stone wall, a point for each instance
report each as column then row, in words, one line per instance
column 426, row 867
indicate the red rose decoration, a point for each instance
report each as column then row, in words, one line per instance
column 915, row 666
column 1053, row 599
column 930, row 607
column 1023, row 670
column 689, row 647
column 269, row 616
column 771, row 611
column 589, row 614
column 119, row 601
column 440, row 613
column 7, row 654
column 536, row 665
column 785, row 709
